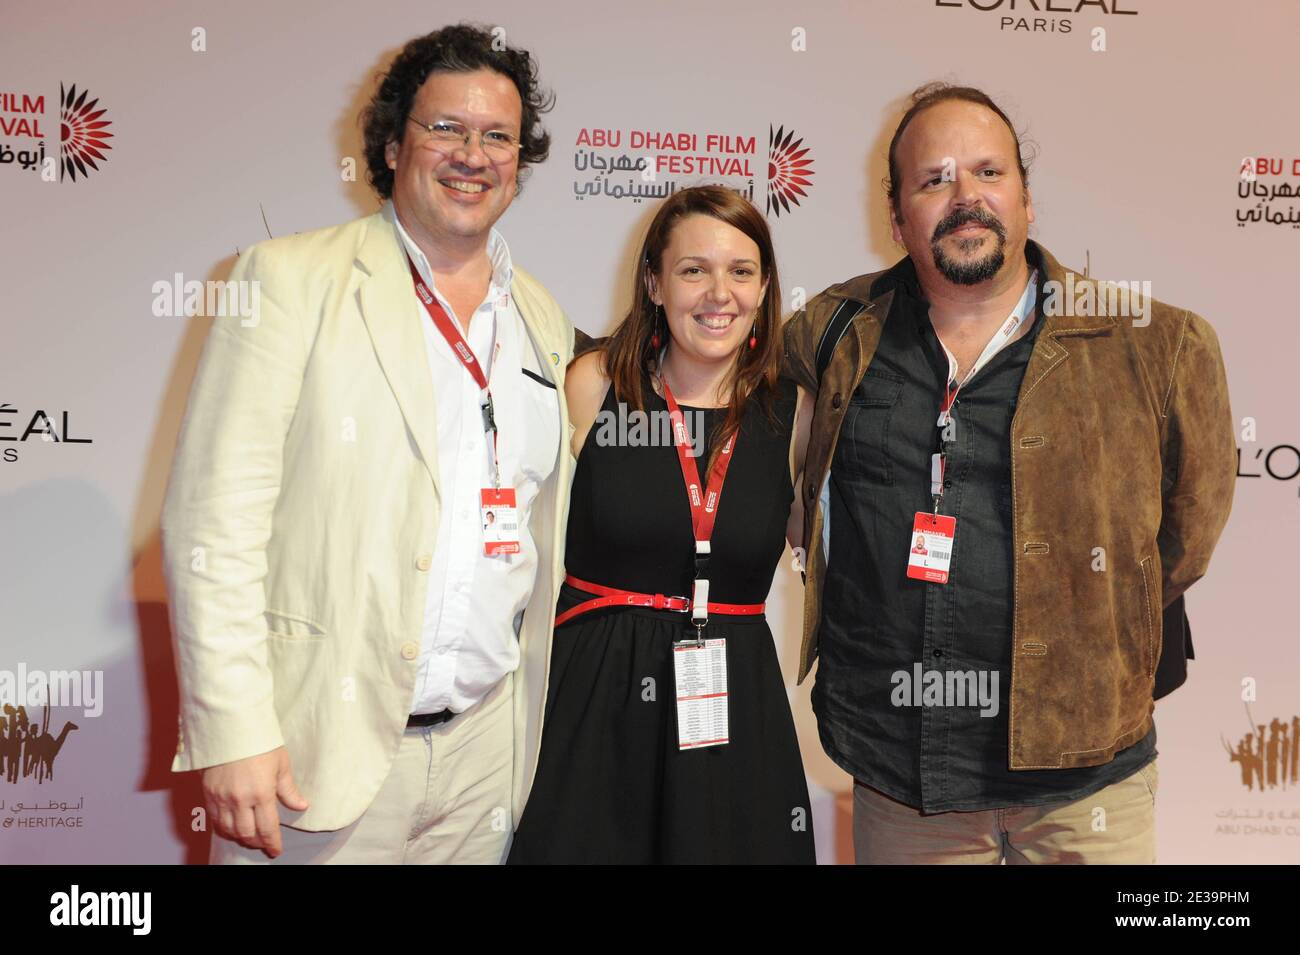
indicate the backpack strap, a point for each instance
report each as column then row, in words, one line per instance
column 843, row 317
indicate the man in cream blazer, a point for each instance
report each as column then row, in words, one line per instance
column 307, row 512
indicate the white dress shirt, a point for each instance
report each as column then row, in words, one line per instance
column 475, row 602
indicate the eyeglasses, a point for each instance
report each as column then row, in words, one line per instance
column 446, row 133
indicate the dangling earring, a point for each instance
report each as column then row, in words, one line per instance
column 654, row 339
column 753, row 337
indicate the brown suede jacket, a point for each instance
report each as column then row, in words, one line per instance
column 1122, row 440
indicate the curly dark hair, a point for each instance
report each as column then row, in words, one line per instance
column 462, row 48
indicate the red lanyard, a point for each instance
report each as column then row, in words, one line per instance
column 704, row 508
column 442, row 321
column 1001, row 338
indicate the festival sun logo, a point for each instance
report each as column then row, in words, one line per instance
column 639, row 164
column 789, row 170
column 83, row 134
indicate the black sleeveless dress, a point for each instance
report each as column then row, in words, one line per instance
column 612, row 785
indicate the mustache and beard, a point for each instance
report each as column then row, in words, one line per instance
column 969, row 271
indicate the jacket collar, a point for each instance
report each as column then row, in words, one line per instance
column 876, row 290
column 497, row 251
column 392, row 314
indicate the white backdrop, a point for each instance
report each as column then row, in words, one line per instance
column 1140, row 147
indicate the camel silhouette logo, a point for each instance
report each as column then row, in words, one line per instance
column 1268, row 754
column 28, row 750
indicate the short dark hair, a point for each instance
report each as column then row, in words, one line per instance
column 461, row 48
column 932, row 94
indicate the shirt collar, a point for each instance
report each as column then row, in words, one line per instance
column 503, row 271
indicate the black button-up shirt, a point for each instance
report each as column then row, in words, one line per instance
column 878, row 624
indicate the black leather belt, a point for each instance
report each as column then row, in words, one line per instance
column 429, row 719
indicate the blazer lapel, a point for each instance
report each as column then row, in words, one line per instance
column 392, row 315
column 548, row 352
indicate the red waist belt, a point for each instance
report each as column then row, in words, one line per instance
column 612, row 597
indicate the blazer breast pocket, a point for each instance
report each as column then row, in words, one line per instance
column 539, row 379
column 292, row 626
column 864, row 436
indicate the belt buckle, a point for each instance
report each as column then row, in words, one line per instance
column 682, row 604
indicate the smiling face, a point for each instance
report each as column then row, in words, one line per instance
column 710, row 286
column 961, row 200
column 454, row 194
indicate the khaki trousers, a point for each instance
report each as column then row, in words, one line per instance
column 1115, row 825
column 446, row 800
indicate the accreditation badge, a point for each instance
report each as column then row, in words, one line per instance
column 931, row 547
column 500, row 521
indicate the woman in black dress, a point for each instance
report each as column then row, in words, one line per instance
column 628, row 773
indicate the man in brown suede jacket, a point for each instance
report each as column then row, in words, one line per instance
column 1064, row 449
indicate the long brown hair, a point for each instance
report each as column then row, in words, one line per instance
column 628, row 352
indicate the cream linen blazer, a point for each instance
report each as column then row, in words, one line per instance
column 302, row 508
